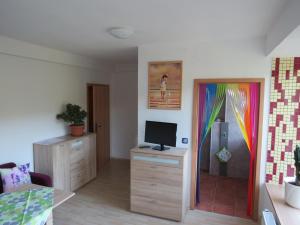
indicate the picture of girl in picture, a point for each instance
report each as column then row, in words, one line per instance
column 163, row 86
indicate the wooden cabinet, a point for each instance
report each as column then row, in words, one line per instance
column 159, row 182
column 70, row 161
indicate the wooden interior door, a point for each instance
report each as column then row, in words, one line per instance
column 98, row 121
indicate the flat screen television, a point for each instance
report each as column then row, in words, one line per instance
column 161, row 133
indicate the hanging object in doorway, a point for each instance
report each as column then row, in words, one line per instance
column 224, row 155
column 244, row 99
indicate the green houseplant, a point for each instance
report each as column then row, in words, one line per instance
column 74, row 115
column 292, row 185
column 297, row 165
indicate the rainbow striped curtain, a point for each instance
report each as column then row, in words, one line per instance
column 244, row 100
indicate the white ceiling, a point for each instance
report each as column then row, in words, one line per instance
column 80, row 26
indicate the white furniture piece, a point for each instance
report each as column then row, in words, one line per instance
column 292, row 192
column 69, row 161
column 159, row 185
column 286, row 214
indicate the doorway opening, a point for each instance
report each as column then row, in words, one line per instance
column 226, row 146
column 99, row 121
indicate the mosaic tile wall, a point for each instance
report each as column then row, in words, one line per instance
column 284, row 119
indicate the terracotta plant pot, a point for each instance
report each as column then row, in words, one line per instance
column 77, row 130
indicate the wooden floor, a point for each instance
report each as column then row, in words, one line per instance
column 105, row 201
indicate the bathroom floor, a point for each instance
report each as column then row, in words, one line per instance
column 223, row 195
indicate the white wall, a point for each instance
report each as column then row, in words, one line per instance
column 33, row 90
column 289, row 47
column 123, row 110
column 236, row 59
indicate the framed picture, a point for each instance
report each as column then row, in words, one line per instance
column 164, row 85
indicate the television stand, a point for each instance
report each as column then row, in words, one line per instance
column 160, row 148
column 159, row 183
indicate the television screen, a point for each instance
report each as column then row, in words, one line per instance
column 161, row 133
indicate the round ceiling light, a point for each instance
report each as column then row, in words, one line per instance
column 121, row 32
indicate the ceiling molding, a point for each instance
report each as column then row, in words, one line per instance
column 23, row 49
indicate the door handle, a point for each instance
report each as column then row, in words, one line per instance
column 98, row 126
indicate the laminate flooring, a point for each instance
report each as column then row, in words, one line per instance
column 105, row 201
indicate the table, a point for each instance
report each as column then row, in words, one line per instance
column 60, row 197
column 286, row 214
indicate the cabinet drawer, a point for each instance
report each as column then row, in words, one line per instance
column 152, row 159
column 157, row 191
column 77, row 154
column 158, row 174
column 77, row 183
column 159, row 208
column 78, row 178
column 78, row 165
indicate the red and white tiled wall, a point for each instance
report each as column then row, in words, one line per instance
column 284, row 119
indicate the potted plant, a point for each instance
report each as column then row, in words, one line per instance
column 74, row 115
column 292, row 185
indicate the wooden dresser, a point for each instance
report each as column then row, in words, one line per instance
column 159, row 185
column 70, row 161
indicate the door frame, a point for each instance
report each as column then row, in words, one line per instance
column 195, row 120
column 91, row 128
column 88, row 85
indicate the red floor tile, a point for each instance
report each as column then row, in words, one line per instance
column 223, row 209
column 224, row 199
column 223, row 195
column 241, row 213
column 206, row 206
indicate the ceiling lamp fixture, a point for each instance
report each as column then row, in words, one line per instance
column 121, row 32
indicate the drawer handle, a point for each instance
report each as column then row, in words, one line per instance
column 77, row 145
column 157, row 160
column 153, row 185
